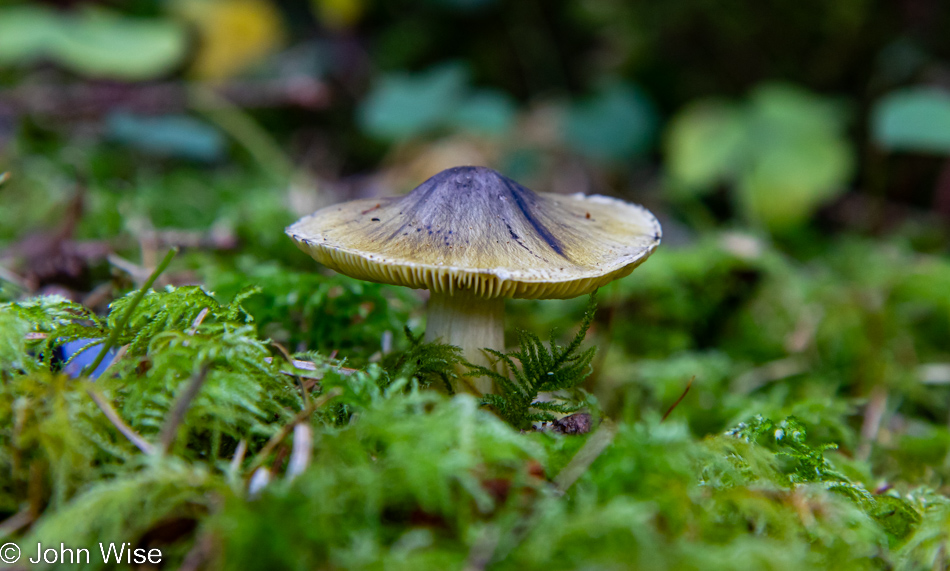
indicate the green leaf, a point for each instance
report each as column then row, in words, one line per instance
column 487, row 111
column 169, row 135
column 617, row 123
column 26, row 32
column 799, row 157
column 403, row 105
column 101, row 43
column 914, row 119
column 93, row 42
column 783, row 153
column 705, row 145
column 785, row 185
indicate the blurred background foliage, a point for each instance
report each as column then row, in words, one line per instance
column 796, row 153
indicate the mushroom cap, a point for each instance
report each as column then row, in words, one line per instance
column 473, row 229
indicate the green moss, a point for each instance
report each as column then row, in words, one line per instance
column 760, row 462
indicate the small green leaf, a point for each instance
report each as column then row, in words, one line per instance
column 170, row 135
column 93, row 42
column 26, row 32
column 791, row 178
column 403, row 105
column 704, row 145
column 783, row 153
column 487, row 111
column 617, row 123
column 914, row 119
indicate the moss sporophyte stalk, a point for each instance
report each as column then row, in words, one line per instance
column 474, row 237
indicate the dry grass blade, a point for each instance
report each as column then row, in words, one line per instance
column 117, row 421
column 238, row 457
column 137, row 272
column 480, row 556
column 301, row 452
column 873, row 417
column 259, row 480
column 311, row 369
column 287, row 428
column 120, row 326
column 200, row 554
column 592, row 449
column 16, row 522
column 198, row 321
column 177, row 414
column 9, row 276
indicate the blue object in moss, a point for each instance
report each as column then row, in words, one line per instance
column 74, row 368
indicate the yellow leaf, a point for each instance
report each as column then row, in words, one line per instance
column 233, row 34
column 338, row 14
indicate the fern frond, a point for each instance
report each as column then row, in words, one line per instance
column 540, row 368
column 430, row 363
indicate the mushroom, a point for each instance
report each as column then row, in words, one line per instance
column 474, row 237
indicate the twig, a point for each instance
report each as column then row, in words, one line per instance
column 123, row 321
column 198, row 320
column 768, row 373
column 689, row 385
column 137, row 272
column 310, row 366
column 220, row 238
column 8, row 276
column 97, row 98
column 177, row 414
column 16, row 522
column 287, row 428
column 117, row 421
column 98, row 295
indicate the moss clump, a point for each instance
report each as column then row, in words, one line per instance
column 304, row 460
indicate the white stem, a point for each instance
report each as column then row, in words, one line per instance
column 469, row 322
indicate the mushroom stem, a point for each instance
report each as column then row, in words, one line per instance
column 472, row 323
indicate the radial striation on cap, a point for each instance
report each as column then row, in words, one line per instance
column 473, row 229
